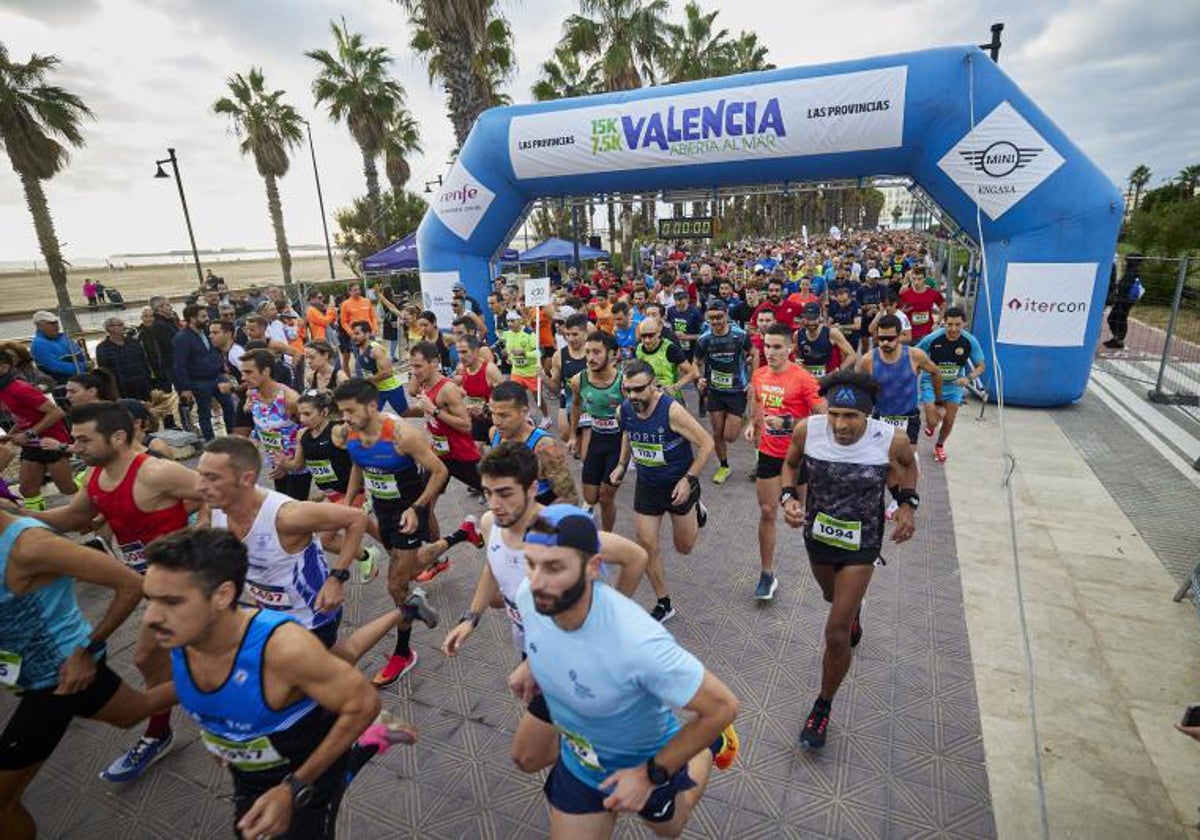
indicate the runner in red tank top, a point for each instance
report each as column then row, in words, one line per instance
column 477, row 376
column 142, row 498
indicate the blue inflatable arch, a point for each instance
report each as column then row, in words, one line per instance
column 948, row 118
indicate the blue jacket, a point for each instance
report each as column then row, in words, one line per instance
column 60, row 357
column 195, row 362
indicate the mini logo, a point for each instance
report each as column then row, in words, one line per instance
column 1001, row 158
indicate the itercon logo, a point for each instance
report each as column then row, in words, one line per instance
column 1031, row 305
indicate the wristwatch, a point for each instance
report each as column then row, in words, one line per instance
column 658, row 774
column 787, row 495
column 302, row 793
column 909, row 498
column 341, row 575
column 472, row 617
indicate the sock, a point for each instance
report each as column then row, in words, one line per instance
column 37, row 502
column 725, row 462
column 159, row 725
column 402, row 638
column 454, row 539
column 824, row 704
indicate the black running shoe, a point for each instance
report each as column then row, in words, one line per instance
column 662, row 611
column 813, row 734
column 701, row 514
column 417, row 608
column 856, row 629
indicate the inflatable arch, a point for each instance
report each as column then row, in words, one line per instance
column 949, row 118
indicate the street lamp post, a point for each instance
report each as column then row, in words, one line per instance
column 320, row 201
column 171, row 159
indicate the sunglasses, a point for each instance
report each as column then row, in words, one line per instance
column 636, row 389
column 887, row 339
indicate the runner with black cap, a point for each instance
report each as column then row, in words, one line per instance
column 815, row 343
column 834, row 477
column 622, row 747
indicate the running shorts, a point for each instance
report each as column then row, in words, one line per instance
column 569, row 794
column 388, row 514
column 730, row 402
column 655, row 499
column 951, row 392
column 768, row 466
column 602, row 456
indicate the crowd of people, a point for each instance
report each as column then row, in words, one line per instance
column 826, row 359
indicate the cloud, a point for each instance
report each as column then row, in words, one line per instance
column 53, row 11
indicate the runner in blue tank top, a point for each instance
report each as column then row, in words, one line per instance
column 509, row 405
column 895, row 367
column 670, row 448
column 53, row 658
column 727, row 355
column 959, row 359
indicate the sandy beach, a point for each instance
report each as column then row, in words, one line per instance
column 23, row 291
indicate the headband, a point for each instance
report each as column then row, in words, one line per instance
column 851, row 396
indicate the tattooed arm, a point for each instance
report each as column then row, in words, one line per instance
column 552, row 466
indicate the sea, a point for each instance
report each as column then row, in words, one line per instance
column 118, row 262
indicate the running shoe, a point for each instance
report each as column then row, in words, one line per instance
column 856, row 629
column 368, row 565
column 386, row 732
column 701, row 514
column 135, row 762
column 470, row 527
column 767, row 584
column 813, row 734
column 720, row 475
column 662, row 612
column 929, row 430
column 416, row 606
column 939, row 454
column 433, row 570
column 727, row 751
column 396, row 667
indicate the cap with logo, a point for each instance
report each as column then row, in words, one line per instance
column 811, row 310
column 572, row 527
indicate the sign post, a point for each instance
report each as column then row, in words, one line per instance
column 537, row 293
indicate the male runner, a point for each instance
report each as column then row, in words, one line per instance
column 815, row 343
column 477, row 377
column 895, row 367
column 727, row 354
column 54, row 657
column 374, row 364
column 441, row 403
column 848, row 460
column 510, row 479
column 521, row 347
column 611, row 678
column 921, row 303
column 564, row 366
column 672, row 367
column 950, row 349
column 510, row 419
column 274, row 409
column 661, row 436
column 597, row 392
column 141, row 498
column 37, row 417
column 624, row 330
column 782, row 394
column 402, row 475
column 274, row 705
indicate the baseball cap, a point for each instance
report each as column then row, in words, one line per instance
column 811, row 310
column 872, row 272
column 572, row 527
column 717, row 304
column 44, row 315
column 680, row 292
column 513, row 315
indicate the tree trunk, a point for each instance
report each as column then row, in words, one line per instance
column 43, row 225
column 463, row 99
column 626, row 232
column 612, row 227
column 373, row 198
column 281, row 243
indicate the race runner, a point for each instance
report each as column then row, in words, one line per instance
column 141, row 498
column 622, row 747
column 564, row 366
column 672, row 368
column 402, row 475
column 837, row 498
column 596, row 392
column 951, row 349
column 37, row 416
column 509, row 479
column 895, row 367
column 374, row 364
column 727, row 354
column 781, row 395
column 477, row 377
column 273, row 407
column 921, row 303
column 511, row 422
column 815, row 343
column 661, row 437
column 436, row 398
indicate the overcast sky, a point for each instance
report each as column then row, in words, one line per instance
column 1117, row 75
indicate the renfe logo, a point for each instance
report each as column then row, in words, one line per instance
column 725, row 119
column 458, row 196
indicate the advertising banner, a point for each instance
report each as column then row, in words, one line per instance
column 437, row 291
column 461, row 201
column 1046, row 304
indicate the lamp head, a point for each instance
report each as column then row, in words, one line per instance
column 160, row 173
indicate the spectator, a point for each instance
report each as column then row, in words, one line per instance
column 212, row 302
column 318, row 316
column 121, row 354
column 199, row 369
column 160, row 374
column 53, row 352
column 1127, row 292
column 101, row 293
column 89, row 292
column 163, row 330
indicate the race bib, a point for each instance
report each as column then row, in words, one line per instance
column 837, row 532
column 441, row 444
column 949, row 370
column 648, row 454
column 381, row 485
column 267, row 596
column 900, row 421
column 475, row 400
column 271, row 440
column 10, row 670
column 605, row 424
column 134, row 555
column 322, row 472
column 519, row 358
column 722, row 379
column 256, row 754
column 816, row 370
column 920, row 317
column 583, row 750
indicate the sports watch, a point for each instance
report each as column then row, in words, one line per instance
column 657, row 773
column 302, row 793
column 341, row 575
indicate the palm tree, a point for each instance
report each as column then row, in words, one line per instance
column 564, row 77
column 467, row 45
column 1189, row 177
column 693, row 49
column 359, row 89
column 34, row 118
column 268, row 128
column 1138, row 179
column 402, row 140
column 746, row 55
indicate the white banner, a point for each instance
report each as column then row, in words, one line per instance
column 537, row 291
column 437, row 290
column 1046, row 304
column 461, row 201
column 849, row 112
column 1000, row 161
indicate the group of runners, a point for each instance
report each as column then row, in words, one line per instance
column 244, row 585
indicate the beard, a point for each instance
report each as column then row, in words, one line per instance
column 567, row 599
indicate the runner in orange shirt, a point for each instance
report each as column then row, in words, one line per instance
column 781, row 394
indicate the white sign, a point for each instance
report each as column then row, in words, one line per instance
column 848, row 112
column 461, row 201
column 437, row 291
column 1046, row 304
column 1000, row 161
column 537, row 291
